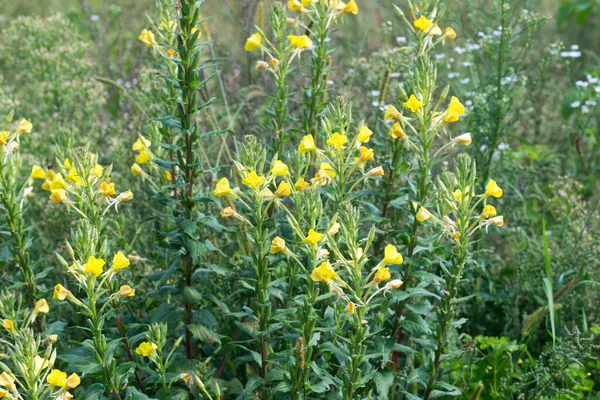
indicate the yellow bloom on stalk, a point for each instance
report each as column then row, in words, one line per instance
column 351, row 308
column 57, row 378
column 108, row 189
column 423, row 214
column 465, row 139
column 125, row 196
column 120, row 261
column 377, row 171
column 382, row 274
column 301, row 184
column 3, row 137
column 60, row 292
column 396, row 131
column 147, row 38
column 283, row 190
column 306, row 3
column 146, row 349
column 366, row 154
column 58, row 196
column 391, row 255
column 422, row 23
column 9, row 325
column 489, row 211
column 222, row 188
column 253, row 42
column 24, row 126
column 457, row 194
column 94, row 266
column 455, row 110
column 171, row 53
column 141, row 144
column 295, row 5
column 328, row 169
column 450, row 33
column 413, row 104
column 57, row 183
column 307, row 144
column 324, row 273
column 492, row 189
column 337, row 140
column 435, row 31
column 254, row 180
column 37, row 172
column 39, row 364
column 143, row 157
column 74, row 177
column 167, row 175
column 227, row 212
column 364, row 134
column 313, row 237
column 7, row 380
column 301, row 42
column 278, row 246
column 41, row 306
column 97, row 170
column 280, row 169
column 72, row 381
column 126, row 291
column 391, row 112
column 351, row 7
column 3, row 393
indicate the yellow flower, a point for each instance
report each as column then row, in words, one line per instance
column 435, row 31
column 126, row 291
column 143, row 157
column 227, row 212
column 377, row 171
column 280, row 169
column 58, row 196
column 284, row 189
column 7, row 380
column 94, row 266
column 9, row 325
column 492, row 189
column 334, row 229
column 24, row 126
column 3, row 393
column 465, row 139
column 422, row 23
column 4, row 137
column 396, row 131
column 222, row 188
column 147, row 38
column 328, row 169
column 450, row 33
column 489, row 211
column 171, row 53
column 57, row 378
column 125, row 196
column 457, row 194
column 338, row 141
column 278, row 245
column 254, row 180
column 391, row 255
column 37, row 172
column 324, row 273
column 120, row 261
column 41, row 306
column 74, row 177
column 455, row 110
column 351, row 7
column 108, row 189
column 498, row 221
column 300, row 185
column 167, row 175
column 364, row 134
column 273, row 62
column 391, row 113
column 307, row 144
column 351, row 308
column 423, row 214
column 52, row 338
column 365, row 154
column 253, row 42
column 72, row 381
column 306, row 3
column 413, row 103
column 313, row 237
column 302, row 42
column 60, row 292
column 146, row 349
column 382, row 274
column 141, row 144
column 39, row 364
column 57, row 183
column 97, row 170
column 294, row 5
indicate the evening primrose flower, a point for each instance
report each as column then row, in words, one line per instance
column 396, row 131
column 58, row 196
column 301, row 184
column 253, row 42
column 337, row 140
column 222, row 188
column 4, row 137
column 227, row 212
column 57, row 378
column 273, row 62
column 422, row 23
column 324, row 273
column 377, row 171
column 126, row 291
column 167, row 175
column 391, row 255
column 146, row 349
column 37, row 172
column 39, row 364
column 94, row 266
column 74, row 177
column 283, row 190
column 141, row 144
column 313, row 237
column 301, row 42
column 280, row 169
column 307, row 144
column 455, row 110
column 351, row 308
column 60, row 292
column 392, row 113
column 465, row 139
column 72, row 381
column 7, row 380
column 9, row 325
column 294, row 5
column 382, row 274
column 278, row 246
column 253, row 180
column 351, row 7
column 57, row 182
column 120, row 261
column 492, row 189
column 125, row 196
column 108, row 189
column 450, row 33
column 366, row 154
column 423, row 214
column 364, row 134
column 413, row 103
column 41, row 306
column 24, row 126
column 143, row 158
column 147, row 38
column 489, row 211
column 328, row 169
column 457, row 194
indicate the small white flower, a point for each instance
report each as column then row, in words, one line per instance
column 395, row 75
column 459, row 50
column 375, row 93
column 585, row 109
column 440, row 56
column 468, row 103
column 95, row 18
column 465, row 81
column 590, row 103
column 575, row 47
column 575, row 104
column 375, row 104
column 503, row 146
column 400, row 39
column 483, row 148
column 597, row 89
column 466, row 64
column 582, row 84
